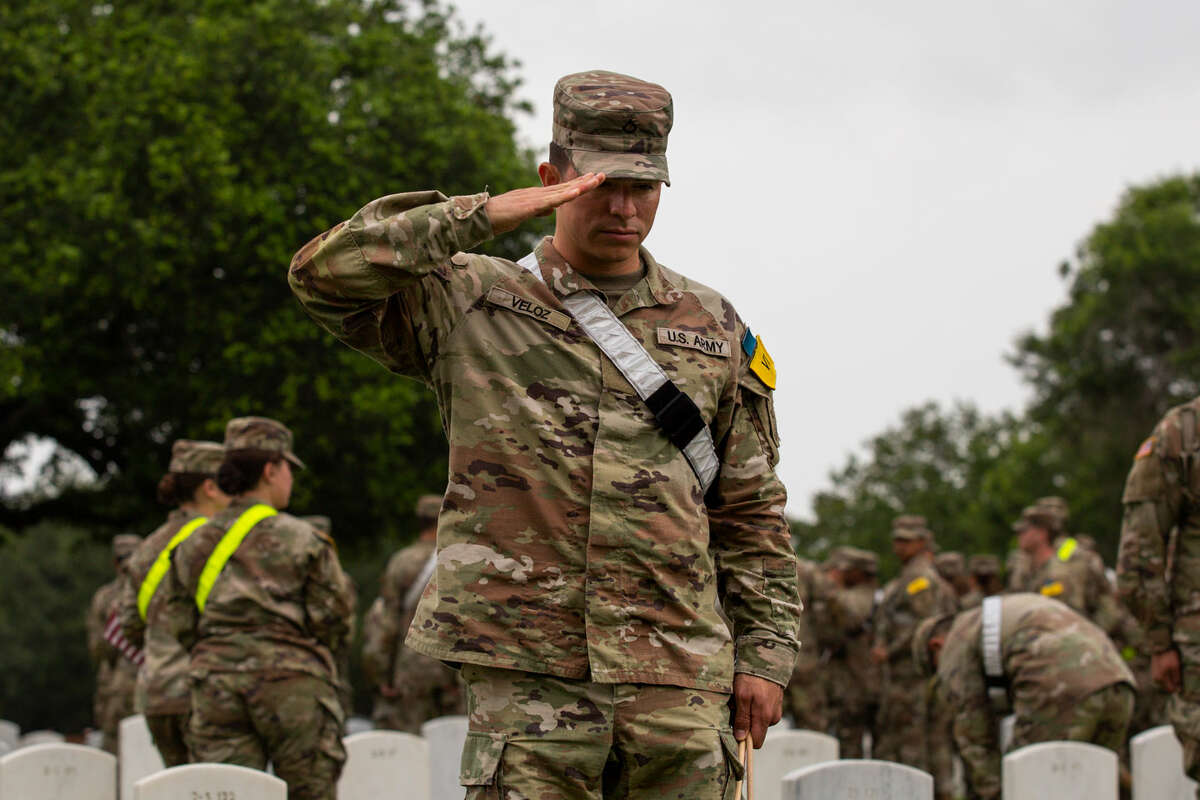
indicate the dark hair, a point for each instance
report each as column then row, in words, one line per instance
column 560, row 159
column 242, row 469
column 177, row 488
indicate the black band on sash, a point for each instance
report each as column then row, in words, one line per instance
column 676, row 413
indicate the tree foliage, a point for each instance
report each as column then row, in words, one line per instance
column 162, row 163
column 1122, row 349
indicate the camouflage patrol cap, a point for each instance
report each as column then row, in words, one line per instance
column 322, row 523
column 920, row 641
column 428, row 506
column 260, row 433
column 983, row 564
column 911, row 526
column 613, row 123
column 124, row 544
column 1058, row 510
column 950, row 564
column 1035, row 517
column 855, row 558
column 200, row 458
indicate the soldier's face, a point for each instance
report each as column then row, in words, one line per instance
column 905, row 549
column 608, row 224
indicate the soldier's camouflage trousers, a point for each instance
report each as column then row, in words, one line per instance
column 537, row 737
column 805, row 700
column 169, row 732
column 427, row 689
column 1183, row 709
column 293, row 721
column 1100, row 718
column 901, row 724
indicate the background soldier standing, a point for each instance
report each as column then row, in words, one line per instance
column 916, row 593
column 163, row 688
column 581, row 556
column 260, row 601
column 852, row 676
column 1066, row 682
column 410, row 688
column 341, row 654
column 116, row 674
column 1161, row 585
column 806, row 700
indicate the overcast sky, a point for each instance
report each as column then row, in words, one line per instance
column 884, row 190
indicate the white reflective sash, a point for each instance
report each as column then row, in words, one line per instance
column 418, row 586
column 639, row 368
column 993, row 662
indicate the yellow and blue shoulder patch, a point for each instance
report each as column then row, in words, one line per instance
column 761, row 363
column 1145, row 450
column 1052, row 589
column 917, row 585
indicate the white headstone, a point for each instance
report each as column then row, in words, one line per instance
column 1062, row 770
column 786, row 751
column 136, row 753
column 41, row 737
column 358, row 725
column 10, row 733
column 1006, row 732
column 58, row 772
column 384, row 765
column 854, row 779
column 210, row 782
column 94, row 738
column 445, row 737
column 1157, row 763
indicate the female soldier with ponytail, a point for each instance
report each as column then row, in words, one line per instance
column 260, row 600
column 190, row 489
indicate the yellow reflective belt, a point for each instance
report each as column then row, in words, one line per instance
column 226, row 547
column 1067, row 549
column 162, row 564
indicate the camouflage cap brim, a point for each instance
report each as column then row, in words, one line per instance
column 293, row 460
column 636, row 166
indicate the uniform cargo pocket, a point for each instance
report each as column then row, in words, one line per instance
column 734, row 768
column 481, row 759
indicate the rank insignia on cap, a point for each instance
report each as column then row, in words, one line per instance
column 763, row 365
column 1146, row 449
column 917, row 585
column 1053, row 589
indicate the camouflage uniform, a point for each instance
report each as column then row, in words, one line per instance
column 425, row 688
column 264, row 679
column 342, row 652
column 806, row 697
column 1158, row 576
column 916, row 593
column 984, row 570
column 163, row 691
column 853, row 678
column 575, row 541
column 1066, row 682
column 116, row 675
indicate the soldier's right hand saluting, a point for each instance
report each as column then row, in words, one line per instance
column 508, row 210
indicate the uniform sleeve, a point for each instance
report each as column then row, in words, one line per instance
column 328, row 599
column 132, row 624
column 961, row 673
column 379, row 282
column 1152, row 501
column 379, row 643
column 756, row 567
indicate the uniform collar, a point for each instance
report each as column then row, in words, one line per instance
column 655, row 288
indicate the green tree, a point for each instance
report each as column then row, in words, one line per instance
column 1122, row 349
column 162, row 163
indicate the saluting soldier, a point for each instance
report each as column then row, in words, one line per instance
column 260, row 601
column 916, row 593
column 410, row 688
column 612, row 452
column 163, row 689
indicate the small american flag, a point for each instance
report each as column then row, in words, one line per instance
column 114, row 636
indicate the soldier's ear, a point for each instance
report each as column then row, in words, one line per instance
column 549, row 174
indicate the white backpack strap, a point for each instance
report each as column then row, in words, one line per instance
column 413, row 595
column 993, row 661
column 675, row 411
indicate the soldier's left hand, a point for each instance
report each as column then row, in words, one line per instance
column 757, row 705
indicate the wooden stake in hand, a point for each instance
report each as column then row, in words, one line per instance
column 746, row 756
